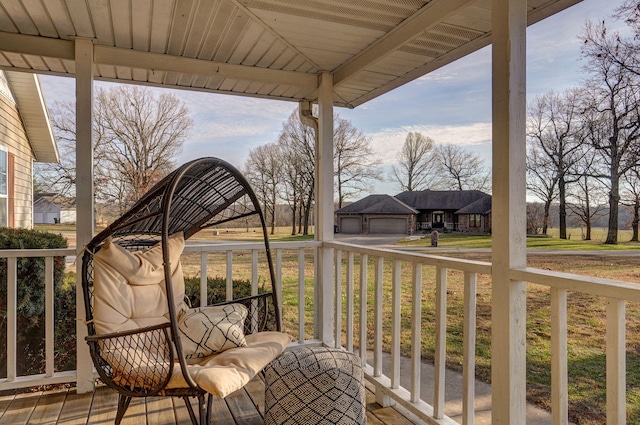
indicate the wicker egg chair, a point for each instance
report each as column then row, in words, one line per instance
column 147, row 356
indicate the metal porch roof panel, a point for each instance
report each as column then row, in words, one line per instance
column 262, row 48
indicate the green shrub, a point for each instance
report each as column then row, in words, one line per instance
column 31, row 299
column 216, row 289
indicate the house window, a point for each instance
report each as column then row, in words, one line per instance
column 474, row 220
column 4, row 188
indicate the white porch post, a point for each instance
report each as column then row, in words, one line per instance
column 508, row 380
column 324, row 207
column 84, row 195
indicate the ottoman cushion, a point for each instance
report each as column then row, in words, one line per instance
column 315, row 385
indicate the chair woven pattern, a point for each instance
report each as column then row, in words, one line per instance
column 315, row 385
column 137, row 363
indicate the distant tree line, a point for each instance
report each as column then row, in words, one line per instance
column 583, row 147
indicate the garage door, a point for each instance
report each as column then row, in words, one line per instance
column 388, row 225
column 350, row 225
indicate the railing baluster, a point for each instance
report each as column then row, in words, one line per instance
column 254, row 287
column 254, row 272
column 350, row 301
column 49, row 316
column 12, row 316
column 301, row 295
column 441, row 342
column 364, row 260
column 616, row 362
column 229, row 275
column 416, row 332
column 469, row 349
column 377, row 319
column 559, row 374
column 395, row 324
column 203, row 278
column 338, row 300
column 278, row 273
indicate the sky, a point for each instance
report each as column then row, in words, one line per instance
column 450, row 105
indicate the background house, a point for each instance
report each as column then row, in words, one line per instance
column 25, row 137
column 437, row 208
column 475, row 217
column 377, row 214
column 407, row 212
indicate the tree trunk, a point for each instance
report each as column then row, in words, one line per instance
column 294, row 209
column 587, row 237
column 614, row 199
column 307, row 212
column 545, row 219
column 562, row 207
column 636, row 219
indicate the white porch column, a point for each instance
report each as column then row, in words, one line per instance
column 84, row 195
column 508, row 321
column 324, row 209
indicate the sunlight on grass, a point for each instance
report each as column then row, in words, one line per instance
column 452, row 240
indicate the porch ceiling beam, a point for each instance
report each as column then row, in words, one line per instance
column 38, row 46
column 107, row 55
column 161, row 62
column 430, row 15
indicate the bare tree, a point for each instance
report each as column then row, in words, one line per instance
column 461, row 169
column 354, row 164
column 417, row 164
column 144, row 133
column 136, row 139
column 297, row 142
column 554, row 125
column 585, row 200
column 542, row 180
column 631, row 198
column 264, row 170
column 612, row 108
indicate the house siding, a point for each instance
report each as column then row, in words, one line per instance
column 14, row 139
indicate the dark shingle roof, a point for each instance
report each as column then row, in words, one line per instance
column 481, row 206
column 377, row 204
column 440, row 199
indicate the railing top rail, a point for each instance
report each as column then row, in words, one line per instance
column 18, row 253
column 415, row 257
column 201, row 246
column 581, row 283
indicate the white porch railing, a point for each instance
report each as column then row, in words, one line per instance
column 391, row 282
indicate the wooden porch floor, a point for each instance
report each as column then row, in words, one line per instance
column 65, row 407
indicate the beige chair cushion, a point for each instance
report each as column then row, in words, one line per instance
column 223, row 373
column 129, row 288
column 212, row 329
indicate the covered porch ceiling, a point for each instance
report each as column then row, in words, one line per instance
column 261, row 48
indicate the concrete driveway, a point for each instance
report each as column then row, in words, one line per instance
column 369, row 240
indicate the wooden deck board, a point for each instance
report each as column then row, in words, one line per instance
column 47, row 411
column 66, row 407
column 76, row 408
column 20, row 409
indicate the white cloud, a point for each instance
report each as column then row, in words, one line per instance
column 387, row 142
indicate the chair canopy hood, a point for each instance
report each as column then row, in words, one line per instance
column 199, row 194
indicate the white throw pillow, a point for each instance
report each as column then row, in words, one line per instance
column 212, row 329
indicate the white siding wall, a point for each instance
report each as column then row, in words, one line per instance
column 14, row 139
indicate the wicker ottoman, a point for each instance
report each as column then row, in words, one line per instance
column 315, row 385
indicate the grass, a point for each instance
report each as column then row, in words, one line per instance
column 454, row 240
